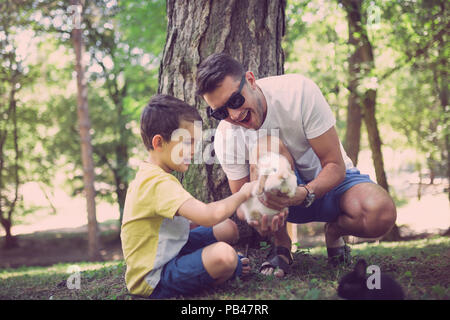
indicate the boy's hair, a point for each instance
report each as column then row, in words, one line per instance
column 213, row 71
column 163, row 115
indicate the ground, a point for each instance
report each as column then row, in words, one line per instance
column 40, row 266
column 421, row 266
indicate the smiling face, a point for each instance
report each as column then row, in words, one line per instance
column 252, row 113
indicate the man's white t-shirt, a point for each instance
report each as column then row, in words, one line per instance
column 296, row 112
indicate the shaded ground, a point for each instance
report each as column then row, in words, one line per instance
column 48, row 248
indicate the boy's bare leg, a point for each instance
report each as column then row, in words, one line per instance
column 220, row 261
column 226, row 231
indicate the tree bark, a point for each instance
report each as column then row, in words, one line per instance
column 374, row 137
column 7, row 206
column 85, row 138
column 353, row 133
column 354, row 115
column 250, row 31
column 361, row 63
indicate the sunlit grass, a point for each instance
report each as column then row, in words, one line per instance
column 57, row 269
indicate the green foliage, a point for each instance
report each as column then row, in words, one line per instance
column 410, row 74
column 421, row 87
column 18, row 117
column 122, row 74
column 316, row 46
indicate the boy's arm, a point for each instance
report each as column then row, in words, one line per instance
column 210, row 214
column 235, row 186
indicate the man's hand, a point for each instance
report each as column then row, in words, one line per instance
column 280, row 201
column 266, row 227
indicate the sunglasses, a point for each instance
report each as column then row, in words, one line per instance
column 235, row 101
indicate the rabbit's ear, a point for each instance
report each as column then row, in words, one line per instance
column 262, row 182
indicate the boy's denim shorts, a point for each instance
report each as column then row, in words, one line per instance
column 185, row 274
column 327, row 208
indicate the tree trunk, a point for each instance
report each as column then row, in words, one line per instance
column 361, row 63
column 10, row 240
column 7, row 206
column 356, row 70
column 250, row 31
column 121, row 150
column 85, row 138
column 374, row 137
column 121, row 192
column 353, row 132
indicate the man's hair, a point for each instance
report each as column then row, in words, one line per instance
column 213, row 71
column 163, row 115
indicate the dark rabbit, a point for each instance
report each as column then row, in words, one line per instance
column 354, row 286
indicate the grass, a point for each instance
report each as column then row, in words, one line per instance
column 421, row 266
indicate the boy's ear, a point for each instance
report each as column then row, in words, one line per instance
column 157, row 141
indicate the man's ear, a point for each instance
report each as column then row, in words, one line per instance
column 250, row 77
column 157, row 141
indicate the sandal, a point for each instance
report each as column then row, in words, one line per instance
column 275, row 261
column 238, row 272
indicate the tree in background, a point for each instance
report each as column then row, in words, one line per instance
column 316, row 45
column 84, row 123
column 363, row 90
column 16, row 116
column 250, row 31
column 124, row 41
column 419, row 32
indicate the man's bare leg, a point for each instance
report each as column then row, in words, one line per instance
column 368, row 211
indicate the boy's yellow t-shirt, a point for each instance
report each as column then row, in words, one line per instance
column 151, row 234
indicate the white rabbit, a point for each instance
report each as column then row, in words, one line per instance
column 274, row 174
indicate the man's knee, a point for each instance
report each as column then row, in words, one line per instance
column 379, row 217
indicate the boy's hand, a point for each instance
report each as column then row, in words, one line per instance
column 247, row 188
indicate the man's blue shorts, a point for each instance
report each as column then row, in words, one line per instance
column 327, row 208
column 185, row 274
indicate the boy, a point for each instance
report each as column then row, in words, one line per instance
column 164, row 257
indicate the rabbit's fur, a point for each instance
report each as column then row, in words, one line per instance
column 354, row 286
column 274, row 174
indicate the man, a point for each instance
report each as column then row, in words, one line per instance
column 330, row 188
